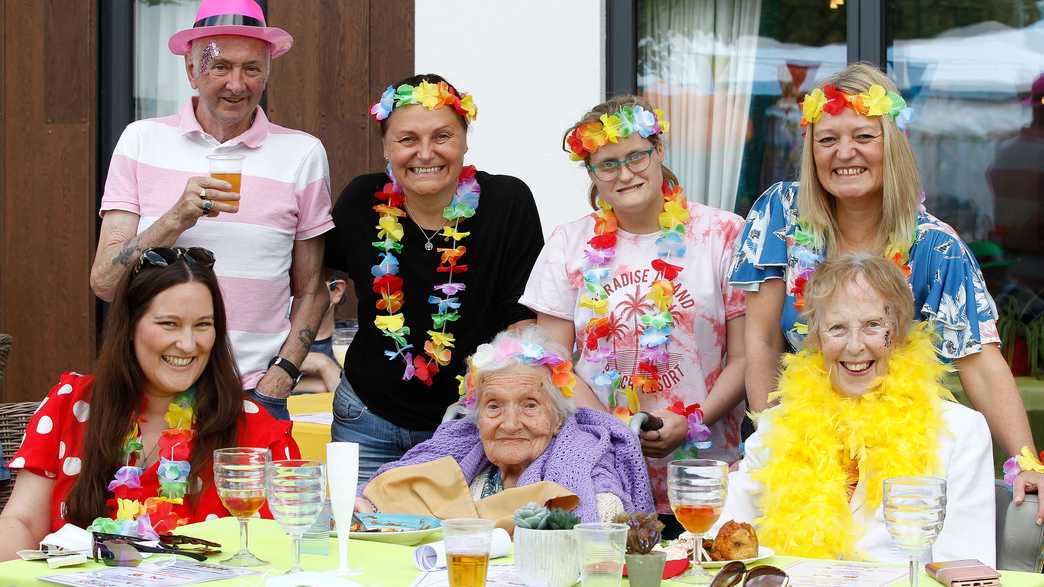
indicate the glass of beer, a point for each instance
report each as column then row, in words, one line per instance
column 697, row 489
column 467, row 550
column 239, row 474
column 228, row 168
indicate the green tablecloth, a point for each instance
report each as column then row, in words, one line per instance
column 382, row 564
column 1032, row 391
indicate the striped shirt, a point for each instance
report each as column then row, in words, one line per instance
column 285, row 197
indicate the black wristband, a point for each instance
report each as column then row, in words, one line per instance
column 287, row 366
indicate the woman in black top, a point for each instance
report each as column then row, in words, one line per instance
column 439, row 255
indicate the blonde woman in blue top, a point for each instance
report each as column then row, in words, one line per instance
column 860, row 191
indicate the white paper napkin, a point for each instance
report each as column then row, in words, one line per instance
column 433, row 555
column 68, row 538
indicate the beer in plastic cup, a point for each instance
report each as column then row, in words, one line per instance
column 228, row 168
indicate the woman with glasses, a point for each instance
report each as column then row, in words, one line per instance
column 862, row 403
column 860, row 191
column 128, row 450
column 640, row 288
column 438, row 254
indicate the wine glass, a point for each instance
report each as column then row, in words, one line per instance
column 697, row 489
column 296, row 491
column 914, row 509
column 239, row 474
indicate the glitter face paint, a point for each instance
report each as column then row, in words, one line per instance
column 206, row 56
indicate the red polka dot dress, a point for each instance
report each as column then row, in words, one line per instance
column 53, row 444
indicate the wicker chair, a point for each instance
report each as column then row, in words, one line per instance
column 13, row 419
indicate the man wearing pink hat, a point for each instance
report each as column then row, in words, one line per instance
column 267, row 238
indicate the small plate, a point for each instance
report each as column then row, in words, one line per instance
column 763, row 552
column 404, row 529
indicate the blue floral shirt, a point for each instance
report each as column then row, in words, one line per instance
column 947, row 284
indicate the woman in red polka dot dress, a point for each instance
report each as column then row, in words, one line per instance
column 135, row 441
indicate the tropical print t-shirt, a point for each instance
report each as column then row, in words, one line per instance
column 948, row 287
column 703, row 302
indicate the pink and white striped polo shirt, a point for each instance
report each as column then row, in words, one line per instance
column 285, row 197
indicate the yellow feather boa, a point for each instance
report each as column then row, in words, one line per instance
column 890, row 431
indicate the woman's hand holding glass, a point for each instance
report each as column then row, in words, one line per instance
column 697, row 489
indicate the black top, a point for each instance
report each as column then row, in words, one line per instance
column 501, row 250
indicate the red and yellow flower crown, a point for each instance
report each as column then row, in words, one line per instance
column 875, row 101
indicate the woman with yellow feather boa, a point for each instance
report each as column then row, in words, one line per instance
column 863, row 402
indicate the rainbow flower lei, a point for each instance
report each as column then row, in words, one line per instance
column 426, row 94
column 657, row 327
column 388, row 285
column 587, row 138
column 149, row 516
column 876, row 101
column 529, row 353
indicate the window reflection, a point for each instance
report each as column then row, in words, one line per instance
column 729, row 76
column 974, row 76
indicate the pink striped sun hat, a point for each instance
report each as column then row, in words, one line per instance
column 242, row 18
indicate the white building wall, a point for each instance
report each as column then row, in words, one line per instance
column 534, row 67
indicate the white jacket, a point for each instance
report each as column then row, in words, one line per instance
column 966, row 458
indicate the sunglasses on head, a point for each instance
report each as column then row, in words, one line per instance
column 116, row 550
column 164, row 256
column 736, row 574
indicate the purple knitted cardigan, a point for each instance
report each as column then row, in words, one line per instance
column 592, row 453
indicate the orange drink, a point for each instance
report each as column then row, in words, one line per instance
column 697, row 518
column 243, row 507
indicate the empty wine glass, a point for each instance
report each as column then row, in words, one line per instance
column 296, row 490
column 697, row 490
column 239, row 474
column 914, row 509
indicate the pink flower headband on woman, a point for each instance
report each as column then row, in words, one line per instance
column 426, row 94
column 527, row 353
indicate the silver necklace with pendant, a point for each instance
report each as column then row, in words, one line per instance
column 427, row 244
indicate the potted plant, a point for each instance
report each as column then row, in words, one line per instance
column 1021, row 328
column 644, row 566
column 545, row 550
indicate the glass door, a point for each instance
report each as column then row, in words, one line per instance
column 729, row 75
column 974, row 76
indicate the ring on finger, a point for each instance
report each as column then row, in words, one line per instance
column 207, row 206
column 203, row 193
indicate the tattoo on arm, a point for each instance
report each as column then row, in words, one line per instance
column 306, row 336
column 129, row 251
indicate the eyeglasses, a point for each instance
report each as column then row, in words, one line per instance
column 164, row 256
column 767, row 576
column 116, row 550
column 636, row 162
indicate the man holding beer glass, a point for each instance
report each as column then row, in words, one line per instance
column 263, row 210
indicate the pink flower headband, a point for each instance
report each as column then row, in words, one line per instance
column 527, row 353
column 588, row 137
column 426, row 94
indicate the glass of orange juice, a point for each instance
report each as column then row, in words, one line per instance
column 696, row 489
column 239, row 474
column 228, row 168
